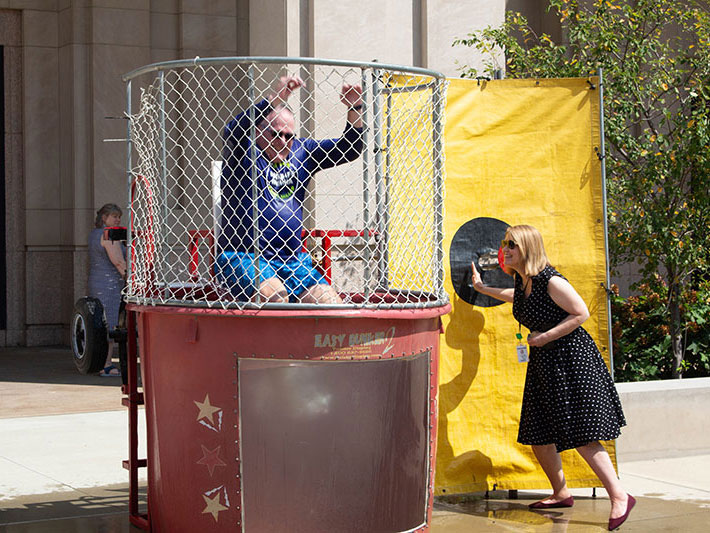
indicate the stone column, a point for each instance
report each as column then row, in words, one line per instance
column 11, row 42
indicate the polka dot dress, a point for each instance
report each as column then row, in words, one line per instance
column 569, row 398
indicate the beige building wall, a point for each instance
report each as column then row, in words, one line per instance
column 64, row 100
column 403, row 32
column 70, row 56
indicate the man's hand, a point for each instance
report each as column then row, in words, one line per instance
column 351, row 95
column 284, row 88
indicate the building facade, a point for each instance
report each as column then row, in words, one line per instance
column 63, row 103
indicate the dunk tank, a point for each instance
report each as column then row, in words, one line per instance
column 290, row 415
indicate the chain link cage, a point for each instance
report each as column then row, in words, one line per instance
column 285, row 183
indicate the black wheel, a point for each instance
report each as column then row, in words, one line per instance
column 89, row 336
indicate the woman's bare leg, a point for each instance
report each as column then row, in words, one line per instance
column 109, row 362
column 600, row 462
column 551, row 464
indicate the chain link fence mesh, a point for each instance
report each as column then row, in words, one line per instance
column 238, row 202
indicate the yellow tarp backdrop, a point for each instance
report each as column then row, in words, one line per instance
column 523, row 152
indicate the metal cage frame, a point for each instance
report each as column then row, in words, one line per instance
column 377, row 117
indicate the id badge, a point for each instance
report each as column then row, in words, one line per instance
column 522, row 349
column 522, row 353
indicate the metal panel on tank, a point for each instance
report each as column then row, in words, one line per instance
column 334, row 445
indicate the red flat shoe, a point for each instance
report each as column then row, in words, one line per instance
column 616, row 522
column 567, row 502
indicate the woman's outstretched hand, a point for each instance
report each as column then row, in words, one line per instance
column 476, row 277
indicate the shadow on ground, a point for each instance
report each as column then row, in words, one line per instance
column 102, row 510
column 53, row 365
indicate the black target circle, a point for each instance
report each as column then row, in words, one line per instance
column 478, row 240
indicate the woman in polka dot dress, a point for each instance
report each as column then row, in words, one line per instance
column 569, row 400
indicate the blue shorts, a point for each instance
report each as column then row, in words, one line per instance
column 237, row 269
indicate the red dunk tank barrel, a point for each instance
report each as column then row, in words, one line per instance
column 270, row 421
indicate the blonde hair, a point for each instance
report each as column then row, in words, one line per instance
column 532, row 249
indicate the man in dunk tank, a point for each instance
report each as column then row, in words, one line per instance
column 281, row 164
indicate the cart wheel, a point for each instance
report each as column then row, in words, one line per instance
column 89, row 338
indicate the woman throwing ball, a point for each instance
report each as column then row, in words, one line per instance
column 569, row 400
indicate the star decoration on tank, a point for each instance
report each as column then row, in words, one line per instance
column 210, row 458
column 213, row 506
column 207, row 412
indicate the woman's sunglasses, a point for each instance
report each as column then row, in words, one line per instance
column 510, row 244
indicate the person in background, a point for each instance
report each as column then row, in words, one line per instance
column 569, row 399
column 282, row 164
column 107, row 273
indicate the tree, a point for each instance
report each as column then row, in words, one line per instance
column 655, row 57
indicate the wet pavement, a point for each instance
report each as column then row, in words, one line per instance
column 63, row 436
column 652, row 513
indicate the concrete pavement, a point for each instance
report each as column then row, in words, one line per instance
column 63, row 473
